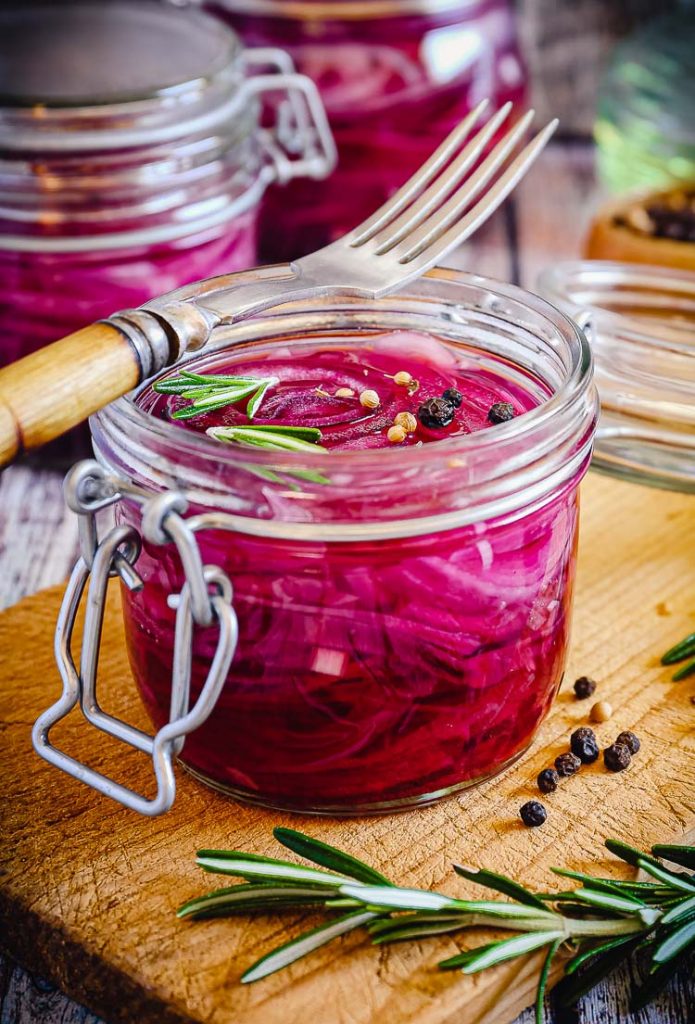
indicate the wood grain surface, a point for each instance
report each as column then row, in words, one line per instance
column 543, row 222
column 89, row 890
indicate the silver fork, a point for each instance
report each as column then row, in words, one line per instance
column 49, row 391
column 442, row 205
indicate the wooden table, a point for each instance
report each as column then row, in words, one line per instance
column 544, row 223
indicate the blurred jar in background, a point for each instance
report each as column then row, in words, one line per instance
column 395, row 76
column 132, row 160
column 645, row 128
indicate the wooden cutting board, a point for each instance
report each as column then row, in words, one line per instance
column 88, row 890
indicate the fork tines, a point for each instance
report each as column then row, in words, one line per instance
column 436, row 209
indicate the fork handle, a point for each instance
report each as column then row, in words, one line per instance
column 46, row 393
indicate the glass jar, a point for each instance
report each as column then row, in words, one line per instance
column 641, row 324
column 403, row 615
column 395, row 77
column 132, row 160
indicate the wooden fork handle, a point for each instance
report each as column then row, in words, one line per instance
column 49, row 391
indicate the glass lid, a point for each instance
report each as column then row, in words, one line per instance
column 107, row 52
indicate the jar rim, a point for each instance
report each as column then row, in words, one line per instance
column 576, row 286
column 140, row 22
column 640, row 321
column 108, row 110
column 546, row 444
column 348, row 10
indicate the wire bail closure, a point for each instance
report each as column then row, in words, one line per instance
column 205, row 599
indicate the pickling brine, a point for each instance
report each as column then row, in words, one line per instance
column 400, row 637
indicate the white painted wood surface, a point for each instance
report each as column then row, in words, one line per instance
column 38, row 544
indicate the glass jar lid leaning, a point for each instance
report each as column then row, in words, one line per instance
column 640, row 321
column 361, row 628
column 136, row 146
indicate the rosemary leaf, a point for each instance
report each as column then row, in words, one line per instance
column 208, row 392
column 405, row 934
column 683, row 855
column 586, row 955
column 246, row 865
column 255, row 403
column 622, row 904
column 500, row 883
column 543, row 980
column 684, row 649
column 599, row 884
column 628, row 853
column 678, row 940
column 391, row 898
column 328, row 856
column 685, row 672
column 249, row 897
column 506, row 949
column 675, row 879
column 276, row 439
column 287, row 954
column 572, row 987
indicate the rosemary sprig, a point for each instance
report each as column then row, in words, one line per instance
column 604, row 920
column 272, row 437
column 214, row 391
column 681, row 652
column 275, row 437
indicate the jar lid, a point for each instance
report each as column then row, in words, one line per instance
column 640, row 321
column 111, row 74
column 347, row 10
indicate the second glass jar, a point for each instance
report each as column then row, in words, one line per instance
column 395, row 77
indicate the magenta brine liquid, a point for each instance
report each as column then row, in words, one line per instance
column 368, row 673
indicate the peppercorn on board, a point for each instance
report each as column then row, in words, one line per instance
column 88, row 890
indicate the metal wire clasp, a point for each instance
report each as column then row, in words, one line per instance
column 205, row 599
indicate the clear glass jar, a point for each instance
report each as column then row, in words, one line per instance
column 395, row 77
column 403, row 614
column 132, row 160
column 641, row 324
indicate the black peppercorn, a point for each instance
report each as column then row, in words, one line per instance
column 583, row 744
column 584, row 687
column 548, row 780
column 617, row 757
column 454, row 396
column 629, row 740
column 501, row 412
column 567, row 764
column 533, row 813
column 436, row 412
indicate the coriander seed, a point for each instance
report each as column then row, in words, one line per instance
column 629, row 740
column 584, row 687
column 548, row 780
column 345, row 393
column 567, row 764
column 369, row 399
column 583, row 744
column 403, row 378
column 533, row 813
column 396, row 434
column 617, row 757
column 601, row 711
column 407, row 421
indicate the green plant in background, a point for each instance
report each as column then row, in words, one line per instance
column 601, row 922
